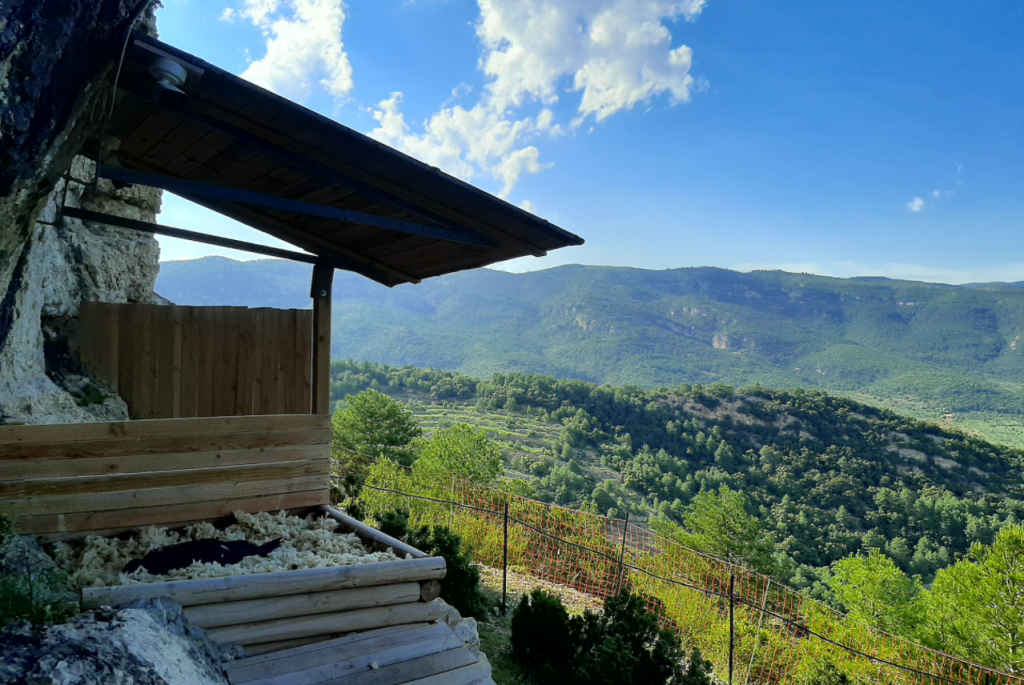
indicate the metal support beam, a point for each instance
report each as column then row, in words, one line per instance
column 320, row 291
column 170, row 231
column 216, row 192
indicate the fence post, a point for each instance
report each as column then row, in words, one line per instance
column 622, row 554
column 732, row 621
column 504, row 567
column 451, row 509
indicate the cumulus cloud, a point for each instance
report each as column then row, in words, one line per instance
column 915, row 205
column 610, row 54
column 304, row 46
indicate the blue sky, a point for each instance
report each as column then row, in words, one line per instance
column 840, row 138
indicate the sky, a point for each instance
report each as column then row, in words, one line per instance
column 842, row 138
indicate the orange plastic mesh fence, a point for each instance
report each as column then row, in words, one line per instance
column 778, row 634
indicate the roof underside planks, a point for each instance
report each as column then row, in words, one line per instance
column 234, row 135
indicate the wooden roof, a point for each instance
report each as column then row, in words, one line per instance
column 289, row 172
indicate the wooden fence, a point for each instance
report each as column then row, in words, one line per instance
column 66, row 479
column 171, row 361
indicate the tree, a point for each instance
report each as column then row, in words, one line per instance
column 717, row 523
column 377, row 426
column 976, row 607
column 624, row 644
column 875, row 591
column 464, row 451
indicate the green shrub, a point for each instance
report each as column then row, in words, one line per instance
column 823, row 672
column 394, row 523
column 30, row 589
column 540, row 635
column 460, row 586
column 623, row 645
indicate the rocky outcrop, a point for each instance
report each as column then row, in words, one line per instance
column 464, row 628
column 57, row 59
column 145, row 643
column 68, row 262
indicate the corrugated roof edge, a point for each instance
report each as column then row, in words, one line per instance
column 538, row 222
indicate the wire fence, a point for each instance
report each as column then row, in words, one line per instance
column 749, row 626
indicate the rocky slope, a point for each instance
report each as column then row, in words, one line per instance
column 57, row 60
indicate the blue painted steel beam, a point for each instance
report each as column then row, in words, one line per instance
column 185, row 187
column 160, row 229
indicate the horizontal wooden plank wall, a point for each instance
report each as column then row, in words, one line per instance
column 66, row 479
column 176, row 362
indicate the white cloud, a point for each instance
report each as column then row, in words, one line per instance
column 614, row 54
column 936, row 193
column 915, row 205
column 528, row 206
column 303, row 39
column 228, row 15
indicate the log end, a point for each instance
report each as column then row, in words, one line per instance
column 429, row 590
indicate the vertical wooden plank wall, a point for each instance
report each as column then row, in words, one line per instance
column 171, row 361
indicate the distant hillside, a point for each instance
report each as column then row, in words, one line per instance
column 918, row 346
column 827, row 476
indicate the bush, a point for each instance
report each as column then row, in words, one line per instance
column 624, row 645
column 540, row 635
column 823, row 672
column 460, row 586
column 31, row 588
column 394, row 523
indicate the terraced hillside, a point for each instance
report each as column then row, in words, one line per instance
column 826, row 476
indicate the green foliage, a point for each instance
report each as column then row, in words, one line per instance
column 875, row 591
column 30, row 590
column 6, row 529
column 717, row 523
column 464, row 451
column 976, row 607
column 827, row 477
column 823, row 672
column 540, row 635
column 375, row 425
column 460, row 586
column 622, row 645
column 394, row 523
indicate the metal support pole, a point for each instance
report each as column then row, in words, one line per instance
column 622, row 554
column 732, row 621
column 504, row 567
column 451, row 509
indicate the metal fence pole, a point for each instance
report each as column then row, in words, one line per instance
column 504, row 567
column 622, row 554
column 732, row 621
column 451, row 509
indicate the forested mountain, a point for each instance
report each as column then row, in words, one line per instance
column 826, row 476
column 937, row 347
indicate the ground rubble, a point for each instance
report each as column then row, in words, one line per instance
column 148, row 642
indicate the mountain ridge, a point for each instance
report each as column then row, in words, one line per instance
column 949, row 348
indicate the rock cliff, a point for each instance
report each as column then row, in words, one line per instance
column 58, row 60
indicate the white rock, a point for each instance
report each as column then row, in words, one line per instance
column 64, row 266
column 467, row 632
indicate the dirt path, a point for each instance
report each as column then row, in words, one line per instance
column 520, row 584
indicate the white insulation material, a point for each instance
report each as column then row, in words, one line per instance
column 306, row 543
